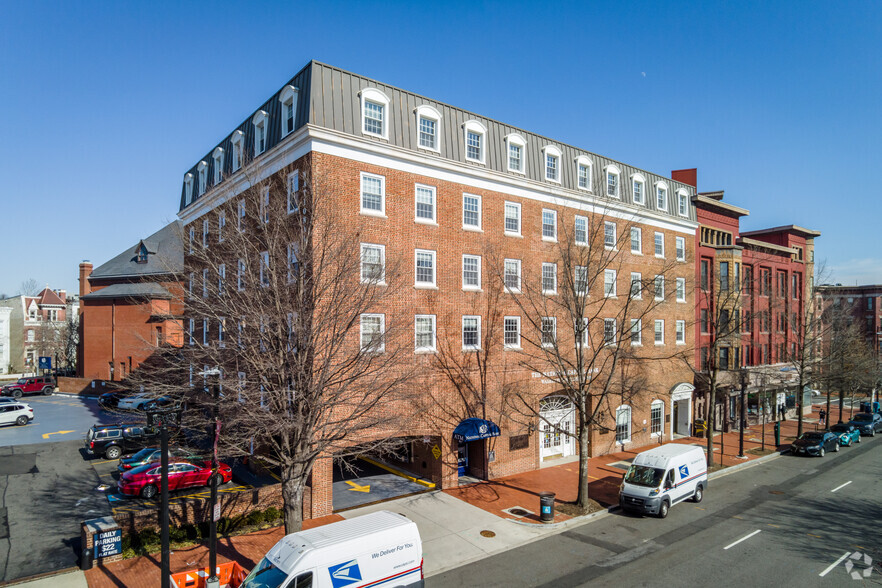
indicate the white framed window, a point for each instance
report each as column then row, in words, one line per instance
column 240, row 221
column 221, row 278
column 580, row 233
column 293, row 187
column 623, row 424
column 609, row 331
column 218, row 164
column 580, row 280
column 609, row 235
column 511, row 327
column 471, row 272
column 471, row 333
column 549, row 225
column 552, row 163
column 636, row 332
column 288, row 98
column 514, row 148
column 582, row 335
column 264, row 269
column 512, row 218
column 474, row 133
column 681, row 332
column 659, row 288
column 221, row 225
column 424, row 333
column 512, row 275
column 471, row 212
column 636, row 286
column 220, row 332
column 659, row 332
column 205, row 283
column 374, row 107
column 190, row 329
column 373, row 194
column 205, row 232
column 240, row 328
column 584, row 173
column 373, row 264
column 373, row 329
column 424, row 260
column 681, row 289
column 609, row 283
column 638, row 189
column 656, row 417
column 237, row 140
column 205, row 331
column 424, row 204
column 681, row 248
column 240, row 275
column 549, row 331
column 636, row 240
column 428, row 123
column 293, row 263
column 613, row 176
column 265, row 204
column 192, row 238
column 549, row 278
column 661, row 196
column 188, row 189
column 659, row 245
column 682, row 202
column 202, row 174
column 259, row 121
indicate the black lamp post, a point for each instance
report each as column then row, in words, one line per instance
column 160, row 418
column 213, row 581
column 745, row 379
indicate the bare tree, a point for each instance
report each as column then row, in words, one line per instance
column 848, row 364
column 29, row 287
column 583, row 327
column 281, row 298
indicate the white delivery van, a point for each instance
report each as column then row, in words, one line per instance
column 378, row 549
column 662, row 477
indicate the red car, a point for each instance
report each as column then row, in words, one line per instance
column 145, row 481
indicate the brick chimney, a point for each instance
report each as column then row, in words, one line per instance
column 85, row 272
column 687, row 176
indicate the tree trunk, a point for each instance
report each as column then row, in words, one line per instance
column 841, row 403
column 711, row 417
column 582, row 500
column 829, row 414
column 293, row 482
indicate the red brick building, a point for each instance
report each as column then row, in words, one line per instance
column 129, row 305
column 36, row 328
column 862, row 303
column 765, row 279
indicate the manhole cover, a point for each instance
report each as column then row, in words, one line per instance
column 488, row 534
column 776, row 492
column 518, row 512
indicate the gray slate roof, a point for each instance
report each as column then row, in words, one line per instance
column 165, row 256
column 138, row 290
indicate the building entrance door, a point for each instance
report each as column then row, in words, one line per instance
column 557, row 418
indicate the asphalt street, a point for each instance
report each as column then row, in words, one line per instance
column 368, row 483
column 789, row 521
column 58, row 417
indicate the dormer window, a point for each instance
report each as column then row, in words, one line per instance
column 188, row 189
column 374, row 107
column 661, row 196
column 638, row 188
column 259, row 122
column 514, row 147
column 583, row 173
column 202, row 170
column 238, row 142
column 552, row 163
column 475, row 133
column 682, row 202
column 141, row 256
column 288, row 98
column 612, row 181
column 428, row 123
column 218, row 157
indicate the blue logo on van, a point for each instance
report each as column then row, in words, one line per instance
column 684, row 472
column 345, row 574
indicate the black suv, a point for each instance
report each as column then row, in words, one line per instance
column 112, row 441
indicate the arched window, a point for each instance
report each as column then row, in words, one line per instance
column 682, row 202
column 661, row 196
column 218, row 159
column 514, row 148
column 202, row 170
column 188, row 189
column 288, row 98
column 551, row 163
column 428, row 125
column 374, row 113
column 237, row 140
column 259, row 121
column 613, row 179
column 638, row 189
column 584, row 173
column 475, row 141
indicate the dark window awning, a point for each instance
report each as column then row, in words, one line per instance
column 475, row 430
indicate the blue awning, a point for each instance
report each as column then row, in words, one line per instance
column 474, row 430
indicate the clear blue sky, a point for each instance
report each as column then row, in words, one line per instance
column 105, row 105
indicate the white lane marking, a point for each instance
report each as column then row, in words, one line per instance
column 745, row 538
column 840, row 487
column 834, row 564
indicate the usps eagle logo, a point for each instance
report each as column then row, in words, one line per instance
column 345, row 574
column 684, row 472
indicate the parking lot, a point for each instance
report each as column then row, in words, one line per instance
column 59, row 417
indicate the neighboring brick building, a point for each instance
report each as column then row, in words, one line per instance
column 37, row 328
column 129, row 305
column 764, row 278
column 863, row 303
column 437, row 187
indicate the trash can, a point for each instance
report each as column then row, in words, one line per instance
column 86, row 559
column 699, row 427
column 777, row 435
column 546, row 507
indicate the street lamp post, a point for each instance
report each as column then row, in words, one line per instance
column 745, row 378
column 213, row 581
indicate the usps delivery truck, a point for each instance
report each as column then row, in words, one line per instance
column 378, row 549
column 662, row 477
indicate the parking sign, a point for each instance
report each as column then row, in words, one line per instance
column 45, row 363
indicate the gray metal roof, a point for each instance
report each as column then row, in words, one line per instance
column 165, row 255
column 137, row 290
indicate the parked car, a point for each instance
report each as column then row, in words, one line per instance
column 145, row 401
column 109, row 400
column 848, row 433
column 153, row 454
column 33, row 385
column 145, row 480
column 867, row 423
column 816, row 443
column 113, row 441
column 16, row 413
column 662, row 477
column 8, row 400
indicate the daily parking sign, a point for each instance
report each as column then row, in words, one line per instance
column 107, row 543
